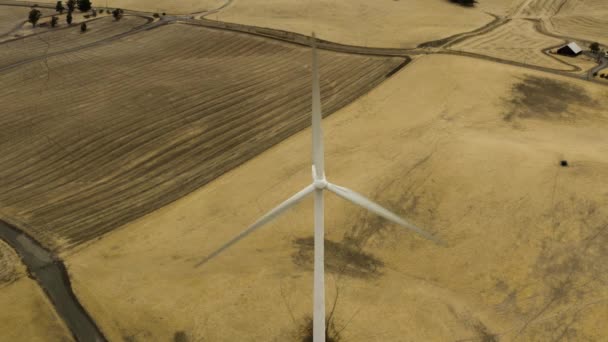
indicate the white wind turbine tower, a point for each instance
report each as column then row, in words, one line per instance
column 320, row 184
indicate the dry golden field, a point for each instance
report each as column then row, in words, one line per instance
column 10, row 265
column 65, row 39
column 159, row 6
column 468, row 149
column 91, row 148
column 26, row 313
column 583, row 19
column 11, row 17
column 384, row 23
column 516, row 41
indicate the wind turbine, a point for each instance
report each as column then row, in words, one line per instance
column 319, row 184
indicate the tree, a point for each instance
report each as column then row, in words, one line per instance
column 468, row 3
column 71, row 5
column 59, row 7
column 84, row 5
column 83, row 27
column 595, row 47
column 69, row 18
column 34, row 16
column 54, row 21
column 117, row 14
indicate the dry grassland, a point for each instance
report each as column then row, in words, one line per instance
column 25, row 314
column 12, row 17
column 384, row 23
column 108, row 134
column 516, row 41
column 64, row 39
column 583, row 19
column 466, row 148
column 159, row 6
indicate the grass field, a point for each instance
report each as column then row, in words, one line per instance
column 515, row 41
column 466, row 148
column 64, row 39
column 11, row 17
column 91, row 148
column 584, row 19
column 384, row 23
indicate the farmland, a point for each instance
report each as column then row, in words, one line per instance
column 169, row 6
column 65, row 39
column 135, row 149
column 460, row 166
column 398, row 24
column 12, row 17
column 516, row 41
column 156, row 127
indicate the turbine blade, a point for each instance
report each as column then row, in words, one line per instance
column 317, row 132
column 292, row 201
column 379, row 210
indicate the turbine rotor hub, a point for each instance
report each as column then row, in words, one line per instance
column 320, row 183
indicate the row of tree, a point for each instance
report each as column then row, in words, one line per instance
column 83, row 6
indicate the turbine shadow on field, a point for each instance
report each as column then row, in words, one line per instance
column 341, row 258
column 547, row 99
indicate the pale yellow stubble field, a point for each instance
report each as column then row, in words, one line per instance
column 468, row 149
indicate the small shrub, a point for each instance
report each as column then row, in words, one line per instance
column 59, row 7
column 84, row 5
column 594, row 47
column 101, row 11
column 34, row 16
column 86, row 16
column 54, row 21
column 83, row 27
column 164, row 14
column 156, row 15
column 595, row 74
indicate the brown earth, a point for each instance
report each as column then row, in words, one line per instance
column 89, row 148
column 64, row 39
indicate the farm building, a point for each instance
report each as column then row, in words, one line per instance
column 572, row 49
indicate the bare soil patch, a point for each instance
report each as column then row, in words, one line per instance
column 549, row 99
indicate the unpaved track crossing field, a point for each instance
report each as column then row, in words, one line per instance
column 98, row 137
column 169, row 6
column 516, row 41
column 382, row 23
column 64, row 39
column 13, row 16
